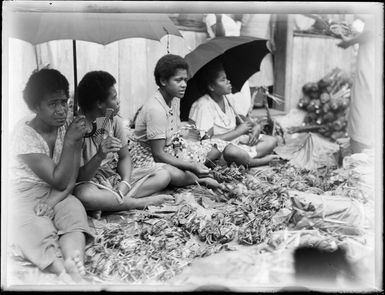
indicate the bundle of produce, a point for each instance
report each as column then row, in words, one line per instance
column 325, row 180
column 254, row 232
column 228, row 174
column 329, row 27
column 217, row 230
column 326, row 103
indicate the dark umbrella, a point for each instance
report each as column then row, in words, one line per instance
column 240, row 56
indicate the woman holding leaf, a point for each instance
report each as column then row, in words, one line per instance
column 214, row 114
column 107, row 180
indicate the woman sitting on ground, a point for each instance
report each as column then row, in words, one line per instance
column 214, row 114
column 49, row 224
column 158, row 124
column 107, row 180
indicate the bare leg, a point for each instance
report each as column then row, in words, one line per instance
column 212, row 157
column 233, row 154
column 72, row 246
column 56, row 267
column 154, row 183
column 183, row 178
column 179, row 177
column 265, row 145
column 94, row 198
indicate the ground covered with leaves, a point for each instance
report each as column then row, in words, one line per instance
column 156, row 244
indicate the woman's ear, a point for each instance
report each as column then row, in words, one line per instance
column 163, row 82
column 100, row 105
column 210, row 87
column 36, row 109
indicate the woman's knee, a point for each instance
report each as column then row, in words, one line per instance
column 85, row 194
column 178, row 177
column 234, row 154
column 271, row 140
column 163, row 176
column 174, row 172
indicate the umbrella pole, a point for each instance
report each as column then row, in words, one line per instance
column 75, row 78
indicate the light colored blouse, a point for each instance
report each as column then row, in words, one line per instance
column 157, row 120
column 206, row 113
column 27, row 140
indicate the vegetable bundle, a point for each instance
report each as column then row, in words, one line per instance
column 326, row 103
column 329, row 27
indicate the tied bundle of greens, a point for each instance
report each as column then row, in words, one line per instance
column 326, row 103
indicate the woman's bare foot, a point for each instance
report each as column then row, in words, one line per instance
column 66, row 278
column 156, row 200
column 211, row 183
column 75, row 267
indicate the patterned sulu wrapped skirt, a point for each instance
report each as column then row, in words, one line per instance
column 180, row 148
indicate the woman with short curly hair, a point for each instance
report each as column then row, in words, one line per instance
column 50, row 224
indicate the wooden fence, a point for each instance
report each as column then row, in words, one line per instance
column 130, row 61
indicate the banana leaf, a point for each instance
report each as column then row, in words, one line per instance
column 309, row 151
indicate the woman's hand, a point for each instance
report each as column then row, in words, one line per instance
column 109, row 145
column 254, row 135
column 200, row 170
column 77, row 129
column 253, row 139
column 245, row 127
column 43, row 209
column 346, row 42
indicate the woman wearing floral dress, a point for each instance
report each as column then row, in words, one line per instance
column 158, row 125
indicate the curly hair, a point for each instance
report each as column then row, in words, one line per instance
column 42, row 83
column 94, row 87
column 208, row 74
column 167, row 66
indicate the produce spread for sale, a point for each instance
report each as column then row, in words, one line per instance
column 264, row 211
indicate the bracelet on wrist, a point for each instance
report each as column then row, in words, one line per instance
column 127, row 184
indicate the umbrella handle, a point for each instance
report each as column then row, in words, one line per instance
column 75, row 78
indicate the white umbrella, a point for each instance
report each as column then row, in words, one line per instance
column 98, row 27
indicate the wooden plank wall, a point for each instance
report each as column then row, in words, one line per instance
column 130, row 61
column 304, row 58
column 312, row 58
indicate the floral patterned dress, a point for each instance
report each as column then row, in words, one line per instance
column 157, row 120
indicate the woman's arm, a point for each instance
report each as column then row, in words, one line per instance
column 157, row 149
column 361, row 38
column 56, row 196
column 243, row 128
column 124, row 169
column 218, row 28
column 124, row 164
column 108, row 145
column 228, row 136
column 58, row 176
